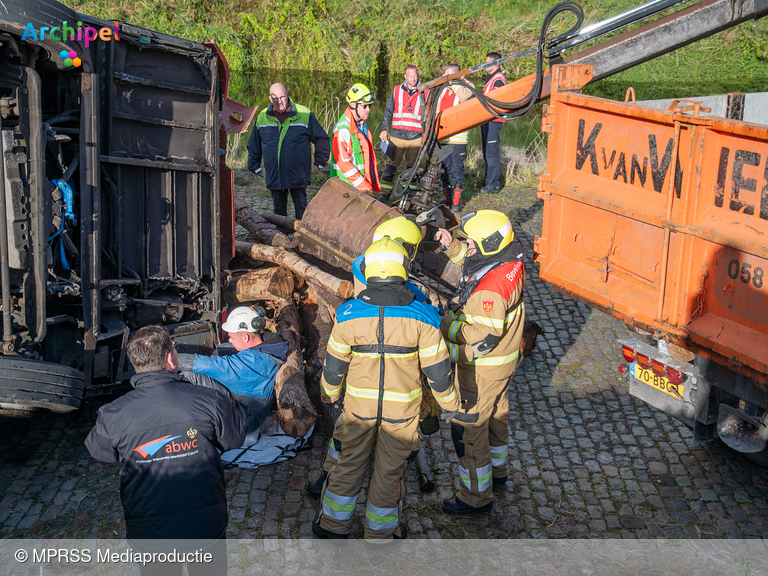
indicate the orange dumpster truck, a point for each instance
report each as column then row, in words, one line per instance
column 660, row 218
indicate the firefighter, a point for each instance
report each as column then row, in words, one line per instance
column 382, row 342
column 483, row 330
column 353, row 158
column 408, row 234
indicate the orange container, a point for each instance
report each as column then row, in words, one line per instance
column 676, row 248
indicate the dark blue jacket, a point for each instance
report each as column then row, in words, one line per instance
column 285, row 148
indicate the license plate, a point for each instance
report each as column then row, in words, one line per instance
column 658, row 382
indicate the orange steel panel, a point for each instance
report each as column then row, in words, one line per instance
column 679, row 247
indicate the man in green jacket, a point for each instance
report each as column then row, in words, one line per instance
column 281, row 138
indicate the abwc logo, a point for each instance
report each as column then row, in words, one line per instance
column 70, row 58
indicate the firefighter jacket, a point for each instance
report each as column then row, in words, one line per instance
column 493, row 81
column 353, row 158
column 450, row 97
column 402, row 115
column 382, row 342
column 492, row 317
column 167, row 435
column 285, row 148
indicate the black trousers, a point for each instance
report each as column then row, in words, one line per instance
column 492, row 153
column 280, row 201
column 453, row 168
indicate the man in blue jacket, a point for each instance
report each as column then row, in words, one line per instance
column 247, row 378
column 281, row 138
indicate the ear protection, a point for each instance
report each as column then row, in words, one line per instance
column 258, row 322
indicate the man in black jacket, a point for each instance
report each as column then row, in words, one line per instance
column 167, row 434
column 281, row 137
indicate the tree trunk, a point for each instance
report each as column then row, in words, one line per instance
column 262, row 284
column 317, row 310
column 251, row 221
column 282, row 221
column 342, row 288
column 294, row 410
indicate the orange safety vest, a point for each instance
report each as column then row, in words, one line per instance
column 407, row 114
column 489, row 86
column 449, row 99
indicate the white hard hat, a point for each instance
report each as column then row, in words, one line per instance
column 245, row 319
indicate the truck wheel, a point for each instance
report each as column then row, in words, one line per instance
column 28, row 384
column 19, row 13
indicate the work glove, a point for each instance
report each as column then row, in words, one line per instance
column 480, row 349
column 186, row 362
column 448, row 416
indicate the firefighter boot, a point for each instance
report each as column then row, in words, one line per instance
column 316, row 488
column 456, row 205
column 456, row 506
column 446, row 199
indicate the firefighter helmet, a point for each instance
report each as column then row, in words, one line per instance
column 385, row 261
column 491, row 230
column 403, row 231
column 360, row 93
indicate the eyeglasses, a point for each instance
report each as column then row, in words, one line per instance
column 366, row 106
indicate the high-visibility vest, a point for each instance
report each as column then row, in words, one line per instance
column 407, row 114
column 448, row 99
column 357, row 174
column 498, row 75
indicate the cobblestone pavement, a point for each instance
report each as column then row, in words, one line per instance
column 586, row 459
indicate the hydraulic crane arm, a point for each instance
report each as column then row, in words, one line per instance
column 629, row 49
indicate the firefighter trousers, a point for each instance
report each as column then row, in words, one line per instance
column 395, row 443
column 482, row 446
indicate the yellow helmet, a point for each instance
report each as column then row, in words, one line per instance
column 490, row 229
column 404, row 231
column 360, row 93
column 385, row 261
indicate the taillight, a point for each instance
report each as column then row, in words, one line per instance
column 629, row 354
column 643, row 360
column 658, row 368
column 675, row 376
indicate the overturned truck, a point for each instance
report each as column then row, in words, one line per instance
column 111, row 195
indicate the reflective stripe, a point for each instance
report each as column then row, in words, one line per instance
column 455, row 325
column 297, row 124
column 484, row 479
column 330, row 391
column 385, row 257
column 486, row 321
column 343, row 348
column 498, row 361
column 393, row 396
column 332, row 452
column 358, row 181
column 448, row 398
column 464, row 477
column 433, row 350
column 378, row 354
column 453, row 351
column 456, row 259
column 499, row 455
column 339, row 507
column 381, row 518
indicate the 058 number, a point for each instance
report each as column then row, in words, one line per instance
column 745, row 273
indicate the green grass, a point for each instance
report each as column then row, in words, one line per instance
column 373, row 39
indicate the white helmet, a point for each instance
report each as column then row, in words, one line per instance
column 246, row 319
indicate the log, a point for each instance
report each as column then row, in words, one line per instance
column 283, row 221
column 275, row 283
column 317, row 311
column 342, row 288
column 251, row 221
column 295, row 412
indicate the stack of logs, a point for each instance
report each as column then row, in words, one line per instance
column 303, row 301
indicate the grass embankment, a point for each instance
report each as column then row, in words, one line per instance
column 368, row 38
